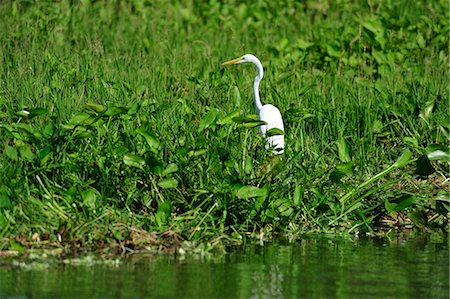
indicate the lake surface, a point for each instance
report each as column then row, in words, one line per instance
column 316, row 268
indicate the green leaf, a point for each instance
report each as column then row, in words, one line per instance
column 411, row 141
column 37, row 112
column 49, row 129
column 168, row 183
column 45, row 154
column 197, row 153
column 134, row 108
column 29, row 130
column 186, row 108
column 420, row 41
column 150, row 139
column 89, row 197
column 26, row 153
column 428, row 110
column 303, row 45
column 11, row 152
column 5, row 202
column 343, row 150
column 209, row 119
column 342, row 170
column 134, row 161
column 95, row 107
column 171, row 168
column 79, row 118
column 274, row 131
column 246, row 118
column 228, row 119
column 115, row 110
column 419, row 218
column 164, row 212
column 23, row 113
column 402, row 203
column 246, row 192
column 248, row 164
column 404, row 159
column 298, row 194
column 16, row 246
column 438, row 152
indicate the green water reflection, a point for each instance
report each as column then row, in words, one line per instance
column 308, row 268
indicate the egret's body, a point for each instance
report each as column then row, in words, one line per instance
column 267, row 113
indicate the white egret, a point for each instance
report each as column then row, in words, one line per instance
column 267, row 113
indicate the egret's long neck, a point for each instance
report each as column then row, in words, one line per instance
column 258, row 78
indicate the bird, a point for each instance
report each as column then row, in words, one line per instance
column 267, row 113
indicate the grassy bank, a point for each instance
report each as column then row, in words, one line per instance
column 120, row 129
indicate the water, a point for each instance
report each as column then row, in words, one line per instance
column 305, row 269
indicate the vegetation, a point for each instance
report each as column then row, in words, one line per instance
column 120, row 129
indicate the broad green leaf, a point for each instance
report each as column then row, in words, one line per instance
column 141, row 89
column 252, row 124
column 134, row 108
column 79, row 118
column 404, row 159
column 246, row 192
column 150, row 139
column 411, row 141
column 285, row 209
column 248, row 168
column 5, row 202
column 115, row 110
column 419, row 218
column 171, row 168
column 89, row 197
column 3, row 220
column 332, row 52
column 438, row 152
column 95, row 107
column 37, row 112
column 403, row 203
column 49, row 129
column 342, row 170
column 303, row 45
column 29, row 130
column 428, row 110
column 16, row 246
column 229, row 118
column 168, row 183
column 246, row 118
column 248, row 121
column 163, row 213
column 420, row 41
column 23, row 113
column 11, row 152
column 45, row 154
column 298, row 194
column 209, row 119
column 186, row 108
column 274, row 131
column 443, row 196
column 134, row 161
column 259, row 201
column 26, row 153
column 197, row 153
column 343, row 150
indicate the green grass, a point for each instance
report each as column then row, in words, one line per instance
column 118, row 121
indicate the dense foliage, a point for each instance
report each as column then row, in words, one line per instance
column 117, row 120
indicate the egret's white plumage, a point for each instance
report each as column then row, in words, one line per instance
column 267, row 113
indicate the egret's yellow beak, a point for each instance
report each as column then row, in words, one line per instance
column 232, row 61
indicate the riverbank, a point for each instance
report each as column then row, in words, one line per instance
column 121, row 130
